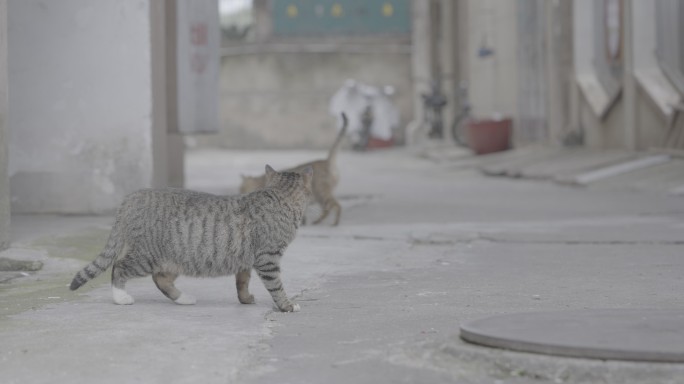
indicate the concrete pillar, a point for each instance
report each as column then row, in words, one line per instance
column 582, row 62
column 421, row 66
column 448, row 44
column 158, row 37
column 175, row 158
column 559, row 67
column 167, row 148
column 4, row 137
column 263, row 20
column 461, row 30
column 629, row 87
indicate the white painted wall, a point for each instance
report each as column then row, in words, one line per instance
column 80, row 102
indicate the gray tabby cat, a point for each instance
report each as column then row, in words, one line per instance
column 326, row 177
column 172, row 232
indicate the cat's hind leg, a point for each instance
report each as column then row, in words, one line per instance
column 326, row 211
column 242, row 285
column 164, row 282
column 121, row 297
column 123, row 270
column 327, row 206
column 338, row 210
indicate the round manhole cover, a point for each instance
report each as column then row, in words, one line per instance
column 611, row 334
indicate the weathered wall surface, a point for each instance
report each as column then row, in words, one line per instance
column 609, row 131
column 637, row 118
column 280, row 99
column 80, row 86
column 651, row 125
column 492, row 25
column 602, row 133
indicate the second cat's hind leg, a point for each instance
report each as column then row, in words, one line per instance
column 327, row 206
column 164, row 282
column 242, row 285
column 338, row 211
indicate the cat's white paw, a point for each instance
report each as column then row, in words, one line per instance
column 121, row 297
column 291, row 307
column 185, row 299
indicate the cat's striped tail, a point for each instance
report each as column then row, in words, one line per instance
column 114, row 246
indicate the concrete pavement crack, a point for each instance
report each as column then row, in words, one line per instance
column 427, row 240
column 353, row 237
column 581, row 242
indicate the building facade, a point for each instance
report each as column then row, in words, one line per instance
column 600, row 73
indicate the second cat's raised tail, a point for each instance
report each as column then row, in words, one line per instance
column 106, row 258
column 338, row 140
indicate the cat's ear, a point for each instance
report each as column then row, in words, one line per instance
column 269, row 171
column 307, row 172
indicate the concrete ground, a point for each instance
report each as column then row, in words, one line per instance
column 423, row 246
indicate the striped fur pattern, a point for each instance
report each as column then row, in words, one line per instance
column 326, row 177
column 170, row 232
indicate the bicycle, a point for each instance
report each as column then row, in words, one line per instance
column 361, row 143
column 433, row 103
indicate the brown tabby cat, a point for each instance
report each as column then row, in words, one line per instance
column 325, row 179
column 170, row 232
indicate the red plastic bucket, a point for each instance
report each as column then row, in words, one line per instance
column 488, row 136
column 375, row 143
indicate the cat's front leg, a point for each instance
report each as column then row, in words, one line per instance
column 267, row 267
column 242, row 285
